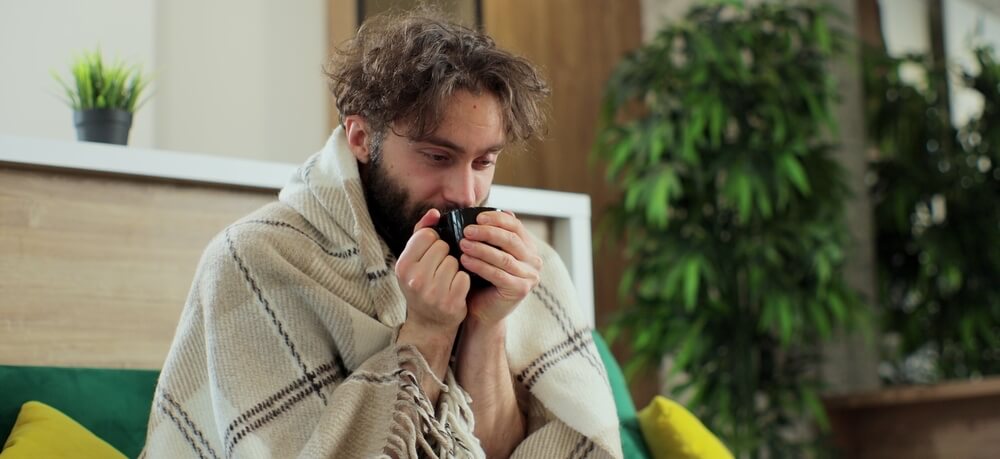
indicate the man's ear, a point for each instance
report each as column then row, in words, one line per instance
column 356, row 129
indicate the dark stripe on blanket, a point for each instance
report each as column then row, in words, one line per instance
column 569, row 341
column 275, row 413
column 586, row 446
column 556, row 309
column 572, row 345
column 335, row 366
column 182, row 429
column 577, row 348
column 187, row 420
column 274, row 318
column 580, row 445
column 342, row 254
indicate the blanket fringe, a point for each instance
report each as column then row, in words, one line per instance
column 417, row 428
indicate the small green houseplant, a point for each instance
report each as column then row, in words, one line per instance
column 103, row 97
column 732, row 215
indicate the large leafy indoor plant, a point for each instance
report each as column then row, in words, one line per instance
column 937, row 207
column 718, row 132
column 104, row 97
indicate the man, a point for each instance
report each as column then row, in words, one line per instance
column 326, row 324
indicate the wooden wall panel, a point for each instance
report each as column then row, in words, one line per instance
column 94, row 270
column 342, row 23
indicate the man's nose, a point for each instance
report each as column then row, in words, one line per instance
column 460, row 189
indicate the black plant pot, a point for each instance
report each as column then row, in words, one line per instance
column 108, row 125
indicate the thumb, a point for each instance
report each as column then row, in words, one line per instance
column 428, row 220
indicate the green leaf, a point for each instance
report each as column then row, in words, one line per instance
column 813, row 404
column 823, row 269
column 822, row 33
column 656, row 207
column 819, row 319
column 837, row 307
column 764, row 205
column 619, row 157
column 785, row 320
column 793, row 172
column 689, row 345
column 744, row 196
column 632, row 195
column 673, row 280
column 627, row 283
column 688, row 152
column 656, row 146
column 716, row 123
column 967, row 332
column 692, row 269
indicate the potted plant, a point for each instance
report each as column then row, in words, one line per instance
column 104, row 97
column 938, row 223
column 732, row 215
column 936, row 187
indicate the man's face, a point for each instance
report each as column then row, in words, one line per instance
column 453, row 168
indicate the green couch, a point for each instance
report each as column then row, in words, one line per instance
column 114, row 404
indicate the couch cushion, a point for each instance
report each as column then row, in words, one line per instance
column 672, row 432
column 113, row 404
column 42, row 431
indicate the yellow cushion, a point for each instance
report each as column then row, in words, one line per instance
column 672, row 432
column 43, row 431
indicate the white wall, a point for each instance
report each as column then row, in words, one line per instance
column 237, row 78
column 242, row 78
column 38, row 36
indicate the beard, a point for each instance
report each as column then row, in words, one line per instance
column 392, row 211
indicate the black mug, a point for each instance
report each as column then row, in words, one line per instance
column 451, row 229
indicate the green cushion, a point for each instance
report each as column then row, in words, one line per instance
column 633, row 444
column 113, row 404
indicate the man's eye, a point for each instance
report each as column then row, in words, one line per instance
column 486, row 163
column 436, row 158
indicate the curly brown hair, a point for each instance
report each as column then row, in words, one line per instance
column 404, row 67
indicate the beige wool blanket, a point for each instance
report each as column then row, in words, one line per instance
column 286, row 346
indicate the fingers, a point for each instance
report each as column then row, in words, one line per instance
column 506, row 232
column 460, row 284
column 428, row 220
column 421, row 240
column 416, row 247
column 507, row 284
column 497, row 258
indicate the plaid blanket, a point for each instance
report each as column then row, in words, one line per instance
column 286, row 346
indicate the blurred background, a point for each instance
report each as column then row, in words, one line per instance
column 797, row 231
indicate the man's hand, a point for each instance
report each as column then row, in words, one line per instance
column 499, row 249
column 431, row 282
column 435, row 292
